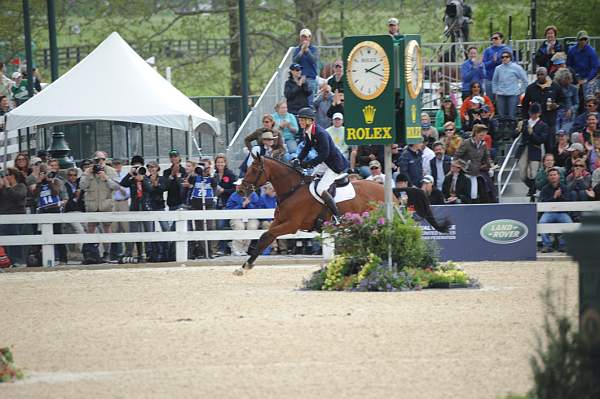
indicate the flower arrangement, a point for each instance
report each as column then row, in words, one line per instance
column 362, row 242
column 8, row 371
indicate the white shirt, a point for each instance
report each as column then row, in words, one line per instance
column 439, row 166
column 379, row 176
column 427, row 156
column 337, row 135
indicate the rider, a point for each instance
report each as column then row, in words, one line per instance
column 329, row 162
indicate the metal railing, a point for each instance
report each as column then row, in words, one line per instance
column 507, row 159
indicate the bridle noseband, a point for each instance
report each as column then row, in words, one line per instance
column 280, row 196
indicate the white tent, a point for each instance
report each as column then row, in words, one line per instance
column 112, row 83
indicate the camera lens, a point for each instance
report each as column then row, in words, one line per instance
column 141, row 170
column 199, row 170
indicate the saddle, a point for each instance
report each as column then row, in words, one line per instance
column 341, row 181
column 340, row 190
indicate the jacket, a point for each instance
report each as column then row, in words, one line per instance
column 540, row 93
column 157, row 199
column 547, row 193
column 256, row 136
column 297, row 96
column 98, row 193
column 541, row 178
column 321, row 106
column 326, row 150
column 477, row 157
column 445, row 166
column 543, row 57
column 509, row 80
column 488, row 59
column 175, row 192
column 363, row 152
column 440, row 120
column 227, row 184
column 470, row 74
column 12, row 199
column 236, row 201
column 584, row 61
column 436, row 197
column 411, row 165
column 464, row 107
column 462, row 190
column 139, row 201
column 532, row 139
column 74, row 204
column 309, row 60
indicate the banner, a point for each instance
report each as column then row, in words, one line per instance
column 500, row 232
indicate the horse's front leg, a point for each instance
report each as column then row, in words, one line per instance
column 258, row 246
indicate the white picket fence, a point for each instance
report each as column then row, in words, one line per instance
column 181, row 236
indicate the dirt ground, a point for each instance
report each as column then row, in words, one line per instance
column 201, row 332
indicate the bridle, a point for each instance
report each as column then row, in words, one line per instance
column 280, row 196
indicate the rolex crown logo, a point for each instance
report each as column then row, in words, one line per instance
column 369, row 113
column 413, row 113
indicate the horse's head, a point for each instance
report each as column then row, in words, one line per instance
column 256, row 175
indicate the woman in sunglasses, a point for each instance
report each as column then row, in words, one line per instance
column 476, row 91
column 508, row 83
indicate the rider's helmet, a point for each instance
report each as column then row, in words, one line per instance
column 306, row 112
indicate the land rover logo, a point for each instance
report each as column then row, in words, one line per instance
column 503, row 231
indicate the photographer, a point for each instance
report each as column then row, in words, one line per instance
column 175, row 176
column 157, row 203
column 201, row 187
column 75, row 203
column 12, row 202
column 98, row 182
column 140, row 188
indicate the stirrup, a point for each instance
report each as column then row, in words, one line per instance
column 335, row 220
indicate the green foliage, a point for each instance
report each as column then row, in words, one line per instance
column 8, row 371
column 438, row 277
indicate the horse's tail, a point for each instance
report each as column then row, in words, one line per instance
column 418, row 199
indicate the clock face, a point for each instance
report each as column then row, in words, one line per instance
column 413, row 68
column 368, row 70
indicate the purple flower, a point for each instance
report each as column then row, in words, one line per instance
column 365, row 214
column 381, row 221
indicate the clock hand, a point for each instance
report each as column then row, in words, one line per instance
column 375, row 73
column 371, row 69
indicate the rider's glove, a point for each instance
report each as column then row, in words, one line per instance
column 305, row 165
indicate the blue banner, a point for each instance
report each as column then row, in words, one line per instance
column 480, row 232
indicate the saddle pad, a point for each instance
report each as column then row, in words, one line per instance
column 344, row 193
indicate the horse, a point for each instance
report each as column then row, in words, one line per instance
column 297, row 209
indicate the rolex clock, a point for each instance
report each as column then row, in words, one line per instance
column 368, row 70
column 413, row 68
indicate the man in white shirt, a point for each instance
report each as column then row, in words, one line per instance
column 376, row 174
column 426, row 158
column 336, row 131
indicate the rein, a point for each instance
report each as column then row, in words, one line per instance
column 283, row 196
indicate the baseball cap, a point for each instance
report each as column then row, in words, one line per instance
column 173, row 153
column 374, row 163
column 238, row 182
column 401, row 177
column 338, row 115
column 427, row 179
column 582, row 35
column 34, row 160
column 559, row 61
column 478, row 100
column 561, row 132
column 575, row 147
column 447, row 99
column 137, row 159
column 305, row 32
column 393, row 21
column 16, row 75
column 295, row 67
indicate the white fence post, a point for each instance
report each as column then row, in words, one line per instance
column 181, row 247
column 328, row 247
column 47, row 249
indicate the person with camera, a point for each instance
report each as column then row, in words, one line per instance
column 157, row 203
column 12, row 202
column 50, row 196
column 202, row 187
column 140, row 188
column 98, row 183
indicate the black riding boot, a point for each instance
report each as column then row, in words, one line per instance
column 332, row 206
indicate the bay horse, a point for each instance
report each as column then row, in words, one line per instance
column 297, row 209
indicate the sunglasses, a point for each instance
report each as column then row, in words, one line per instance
column 72, row 174
column 506, row 56
column 338, row 66
column 448, row 130
column 268, row 139
column 374, row 167
column 99, row 159
column 495, row 38
column 589, row 105
column 583, row 39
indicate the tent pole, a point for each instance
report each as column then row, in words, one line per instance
column 190, row 137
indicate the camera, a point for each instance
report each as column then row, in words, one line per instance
column 199, row 170
column 97, row 169
column 140, row 170
column 51, row 175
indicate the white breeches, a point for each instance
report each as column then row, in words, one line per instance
column 328, row 176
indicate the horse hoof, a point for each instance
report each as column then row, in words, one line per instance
column 238, row 272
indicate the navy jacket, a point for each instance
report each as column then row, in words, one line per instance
column 326, row 150
column 533, row 141
column 543, row 57
column 445, row 165
column 411, row 164
column 547, row 193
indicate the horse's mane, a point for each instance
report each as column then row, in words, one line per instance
column 283, row 164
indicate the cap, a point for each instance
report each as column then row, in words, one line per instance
column 478, row 100
column 137, row 159
column 173, row 153
column 338, row 115
column 305, row 32
column 268, row 136
column 35, row 160
column 582, row 35
column 401, row 177
column 393, row 21
column 590, row 97
column 446, row 99
column 561, row 132
column 16, row 75
column 307, row 112
column 535, row 109
column 85, row 162
column 575, row 147
column 238, row 182
column 295, row 67
column 374, row 163
column 559, row 61
column 427, row 179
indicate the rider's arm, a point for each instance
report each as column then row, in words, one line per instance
column 305, row 149
column 322, row 149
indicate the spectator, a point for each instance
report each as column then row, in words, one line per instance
column 157, row 203
column 592, row 87
column 411, row 164
column 361, row 156
column 98, row 182
column 440, row 165
column 595, row 153
column 322, row 103
column 238, row 200
column 5, row 106
column 583, row 59
column 43, row 155
column 337, row 104
column 434, row 195
column 534, row 133
column 426, row 157
column 473, row 116
column 22, row 164
column 336, row 131
column 396, row 153
column 508, row 84
column 587, row 134
column 268, row 125
column 476, row 156
column 140, row 189
column 551, row 46
column 75, row 203
column 577, row 152
column 554, row 191
column 307, row 56
column 591, row 107
column 450, row 139
column 266, row 148
column 559, row 61
column 202, row 186
column 5, row 84
column 175, row 176
column 376, row 173
column 427, row 130
column 121, row 204
column 19, row 90
column 12, row 202
column 447, row 113
column 287, row 124
column 393, row 28
column 225, row 187
column 491, row 59
column 541, row 179
column 565, row 115
column 579, row 182
column 549, row 96
column 475, row 92
column 594, row 193
column 457, row 186
column 296, row 91
column 472, row 72
column 336, row 82
column 561, row 153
